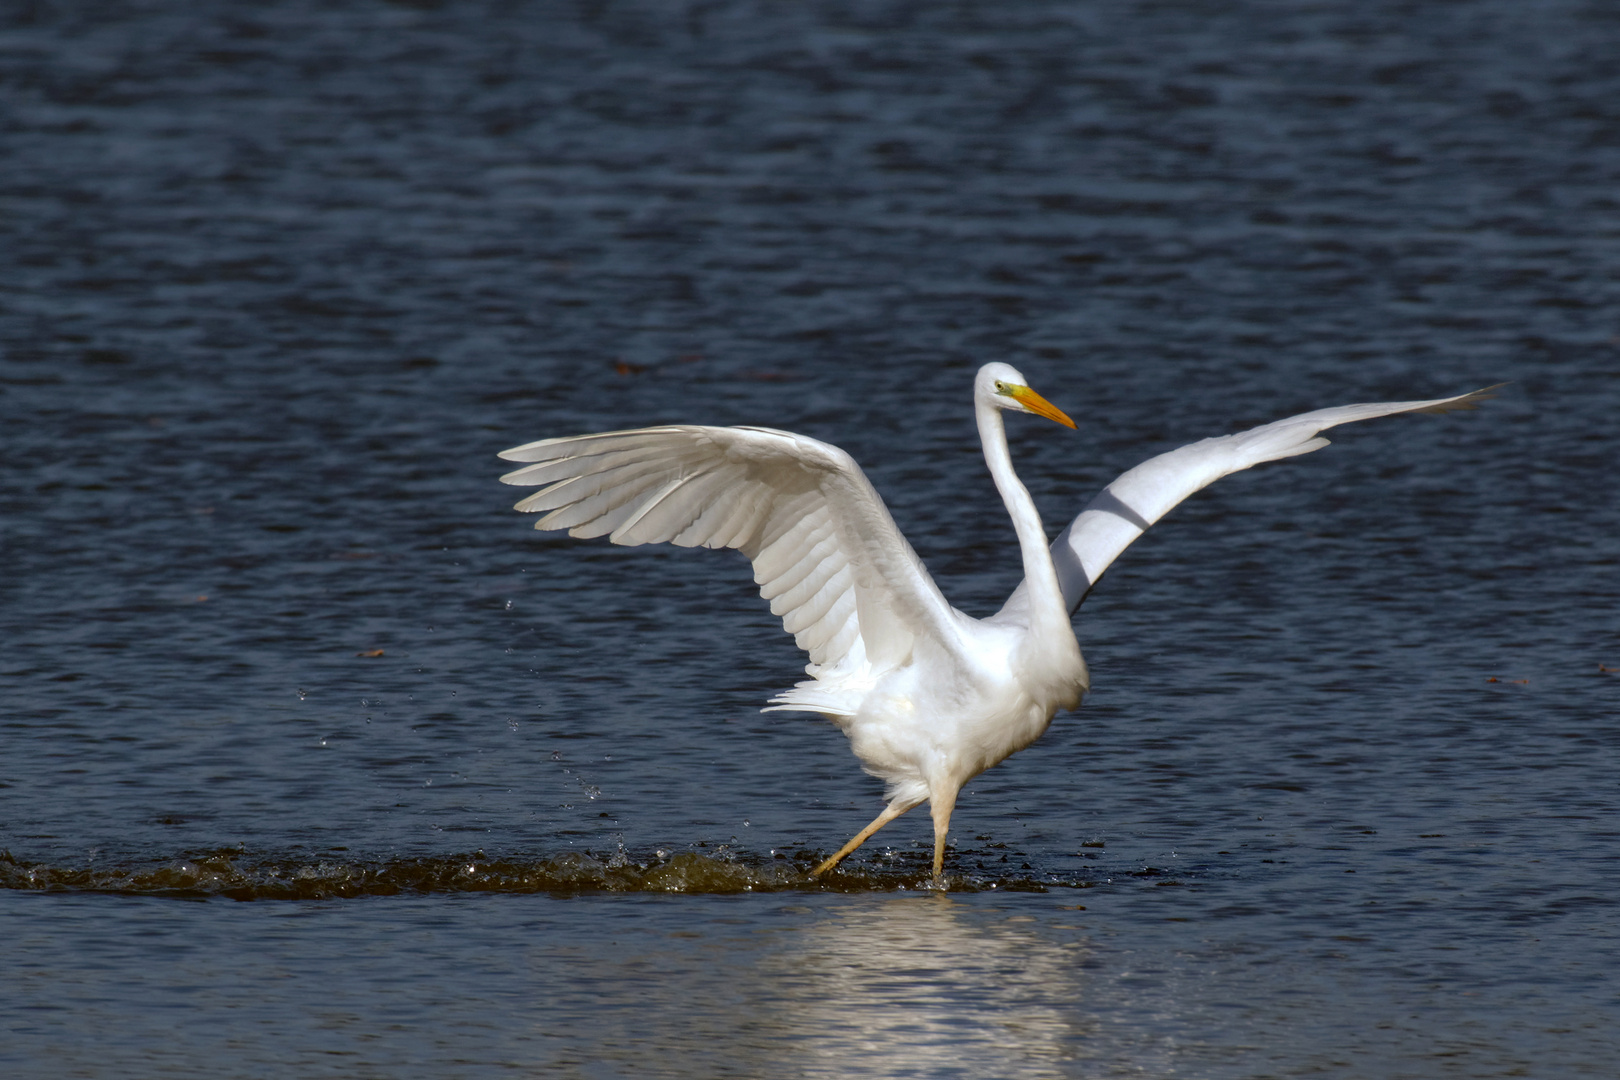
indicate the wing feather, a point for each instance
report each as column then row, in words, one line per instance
column 1142, row 495
column 784, row 564
column 825, row 550
column 817, row 575
column 713, row 504
column 603, row 464
column 605, row 510
column 814, row 637
column 660, row 516
column 787, row 523
column 793, row 578
column 742, row 524
column 815, row 606
column 844, row 640
column 686, row 517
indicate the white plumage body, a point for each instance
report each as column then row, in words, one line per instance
column 928, row 696
column 923, row 731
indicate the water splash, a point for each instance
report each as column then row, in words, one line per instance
column 237, row 875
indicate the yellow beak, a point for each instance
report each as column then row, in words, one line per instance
column 1038, row 405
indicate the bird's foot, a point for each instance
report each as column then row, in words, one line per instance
column 825, row 866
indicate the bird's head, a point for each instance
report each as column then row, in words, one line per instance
column 1004, row 387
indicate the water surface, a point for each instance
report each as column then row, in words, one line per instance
column 315, row 759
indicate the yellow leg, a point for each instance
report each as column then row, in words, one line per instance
column 941, row 806
column 890, row 812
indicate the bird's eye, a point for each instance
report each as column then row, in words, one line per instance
column 1002, row 389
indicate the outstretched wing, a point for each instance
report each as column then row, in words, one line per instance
column 1141, row 496
column 826, row 553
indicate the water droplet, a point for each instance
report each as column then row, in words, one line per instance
column 511, row 722
column 746, row 823
column 302, row 693
column 509, row 608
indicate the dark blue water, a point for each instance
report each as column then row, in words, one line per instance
column 315, row 760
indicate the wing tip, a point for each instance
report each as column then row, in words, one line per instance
column 1463, row 402
column 535, row 451
column 526, row 452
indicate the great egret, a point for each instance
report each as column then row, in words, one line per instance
column 929, row 697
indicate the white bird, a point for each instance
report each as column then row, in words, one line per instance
column 929, row 697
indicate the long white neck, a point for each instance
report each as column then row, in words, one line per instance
column 1040, row 577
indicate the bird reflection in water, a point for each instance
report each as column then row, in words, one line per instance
column 932, row 987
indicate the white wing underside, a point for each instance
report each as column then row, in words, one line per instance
column 1143, row 495
column 826, row 553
